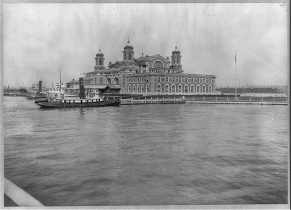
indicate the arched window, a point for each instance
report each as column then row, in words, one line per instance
column 198, row 88
column 147, row 88
column 108, row 81
column 158, row 88
column 203, row 89
column 133, row 88
column 116, row 80
column 186, row 88
column 166, row 88
column 158, row 64
column 180, row 88
column 129, row 88
column 209, row 88
column 173, row 88
column 192, row 88
column 137, row 89
column 142, row 88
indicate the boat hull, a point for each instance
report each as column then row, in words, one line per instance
column 59, row 105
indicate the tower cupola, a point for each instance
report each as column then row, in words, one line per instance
column 176, row 58
column 99, row 59
column 128, row 53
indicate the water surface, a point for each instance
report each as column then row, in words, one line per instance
column 155, row 154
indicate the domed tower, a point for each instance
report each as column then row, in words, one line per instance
column 128, row 52
column 176, row 58
column 99, row 61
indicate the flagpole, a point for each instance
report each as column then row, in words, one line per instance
column 235, row 91
column 60, row 80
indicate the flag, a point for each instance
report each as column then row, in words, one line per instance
column 235, row 57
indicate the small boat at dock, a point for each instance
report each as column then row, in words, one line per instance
column 80, row 103
column 59, row 99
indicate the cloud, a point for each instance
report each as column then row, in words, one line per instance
column 41, row 38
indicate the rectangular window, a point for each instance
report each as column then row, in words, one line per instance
column 163, row 79
column 179, row 79
column 167, row 79
column 159, row 79
column 101, row 81
column 183, row 80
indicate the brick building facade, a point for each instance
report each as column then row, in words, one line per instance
column 147, row 75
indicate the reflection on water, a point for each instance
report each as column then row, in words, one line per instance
column 148, row 154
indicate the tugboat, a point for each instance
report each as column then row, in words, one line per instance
column 79, row 103
column 58, row 99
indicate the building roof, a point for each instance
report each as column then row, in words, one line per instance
column 148, row 57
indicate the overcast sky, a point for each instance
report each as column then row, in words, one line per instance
column 39, row 38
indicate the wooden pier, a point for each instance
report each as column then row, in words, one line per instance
column 239, row 100
column 204, row 99
column 153, row 100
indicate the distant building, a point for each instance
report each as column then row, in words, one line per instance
column 146, row 75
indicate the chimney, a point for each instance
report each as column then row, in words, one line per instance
column 82, row 87
column 40, row 86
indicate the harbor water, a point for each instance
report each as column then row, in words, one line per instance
column 152, row 154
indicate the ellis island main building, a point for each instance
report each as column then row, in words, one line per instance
column 146, row 75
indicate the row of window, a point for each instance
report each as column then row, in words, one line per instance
column 172, row 79
column 171, row 88
column 184, row 80
column 138, row 79
column 193, row 88
column 108, row 80
column 139, row 88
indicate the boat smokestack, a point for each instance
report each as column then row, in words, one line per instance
column 40, row 86
column 82, row 87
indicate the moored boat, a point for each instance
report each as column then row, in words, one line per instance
column 60, row 99
column 80, row 103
